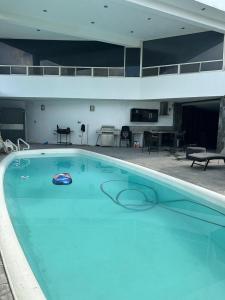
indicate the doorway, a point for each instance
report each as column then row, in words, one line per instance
column 12, row 123
column 200, row 123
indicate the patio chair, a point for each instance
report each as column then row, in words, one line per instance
column 206, row 157
column 126, row 135
column 150, row 141
column 146, row 141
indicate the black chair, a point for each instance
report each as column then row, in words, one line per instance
column 146, row 141
column 126, row 135
column 150, row 141
column 155, row 141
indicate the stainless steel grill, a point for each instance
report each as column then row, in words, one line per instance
column 106, row 135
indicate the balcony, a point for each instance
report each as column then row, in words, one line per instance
column 72, row 71
column 199, row 79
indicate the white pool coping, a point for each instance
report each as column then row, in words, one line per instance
column 21, row 278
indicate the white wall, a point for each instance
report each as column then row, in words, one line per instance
column 204, row 84
column 57, row 87
column 67, row 113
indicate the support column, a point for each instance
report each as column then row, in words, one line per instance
column 177, row 123
column 177, row 116
column 141, row 59
column 221, row 126
column 224, row 53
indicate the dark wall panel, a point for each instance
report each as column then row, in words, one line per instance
column 67, row 53
column 133, row 62
column 186, row 48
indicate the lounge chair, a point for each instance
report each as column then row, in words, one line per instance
column 198, row 158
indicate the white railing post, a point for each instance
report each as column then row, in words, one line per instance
column 178, row 69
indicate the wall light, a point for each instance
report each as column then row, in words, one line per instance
column 42, row 107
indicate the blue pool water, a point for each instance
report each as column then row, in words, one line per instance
column 114, row 233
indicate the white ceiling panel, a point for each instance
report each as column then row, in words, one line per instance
column 125, row 22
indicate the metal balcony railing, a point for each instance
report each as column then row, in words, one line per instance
column 184, row 68
column 61, row 71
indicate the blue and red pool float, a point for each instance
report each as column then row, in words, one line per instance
column 62, row 179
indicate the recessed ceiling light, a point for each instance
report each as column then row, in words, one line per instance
column 45, row 10
column 149, row 19
column 131, row 31
column 92, row 22
column 38, row 29
column 105, row 6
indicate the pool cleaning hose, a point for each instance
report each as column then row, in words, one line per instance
column 150, row 203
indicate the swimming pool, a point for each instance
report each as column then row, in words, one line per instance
column 119, row 231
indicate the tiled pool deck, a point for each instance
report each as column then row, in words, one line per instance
column 213, row 178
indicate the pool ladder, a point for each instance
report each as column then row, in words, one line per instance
column 22, row 145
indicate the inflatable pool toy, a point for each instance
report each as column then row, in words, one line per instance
column 62, row 179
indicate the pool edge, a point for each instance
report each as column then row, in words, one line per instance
column 22, row 281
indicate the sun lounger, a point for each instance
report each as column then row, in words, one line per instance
column 198, row 158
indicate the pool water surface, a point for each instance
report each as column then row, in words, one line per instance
column 114, row 233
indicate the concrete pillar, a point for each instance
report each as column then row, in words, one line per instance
column 141, row 59
column 177, row 116
column 224, row 53
column 221, row 126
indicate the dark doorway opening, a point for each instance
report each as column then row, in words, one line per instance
column 200, row 123
column 12, row 123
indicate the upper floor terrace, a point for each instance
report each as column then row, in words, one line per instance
column 176, row 67
column 199, row 79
